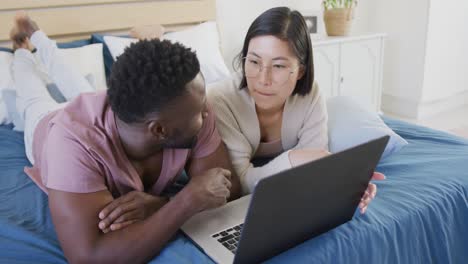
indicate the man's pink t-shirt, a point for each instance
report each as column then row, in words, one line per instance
column 77, row 149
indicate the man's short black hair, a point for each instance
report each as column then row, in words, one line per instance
column 148, row 76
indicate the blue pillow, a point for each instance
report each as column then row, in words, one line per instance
column 74, row 44
column 349, row 124
column 64, row 45
column 6, row 50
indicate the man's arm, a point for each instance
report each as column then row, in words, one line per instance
column 75, row 217
column 218, row 159
column 75, row 209
column 211, row 152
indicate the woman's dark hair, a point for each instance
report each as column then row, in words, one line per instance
column 290, row 26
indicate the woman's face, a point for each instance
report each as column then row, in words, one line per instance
column 271, row 71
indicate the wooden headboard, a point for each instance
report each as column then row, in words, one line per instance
column 66, row 20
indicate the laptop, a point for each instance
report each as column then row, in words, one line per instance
column 288, row 208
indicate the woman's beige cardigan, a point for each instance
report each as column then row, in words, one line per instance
column 304, row 126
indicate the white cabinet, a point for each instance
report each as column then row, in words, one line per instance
column 327, row 68
column 350, row 66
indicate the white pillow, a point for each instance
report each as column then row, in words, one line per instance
column 117, row 45
column 87, row 60
column 350, row 124
column 204, row 39
column 9, row 96
column 5, row 78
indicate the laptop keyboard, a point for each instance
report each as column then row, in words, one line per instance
column 229, row 237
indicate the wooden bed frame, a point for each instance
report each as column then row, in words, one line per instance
column 66, row 20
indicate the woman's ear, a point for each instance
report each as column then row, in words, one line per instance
column 301, row 72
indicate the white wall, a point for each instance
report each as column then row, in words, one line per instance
column 405, row 23
column 446, row 69
column 235, row 16
column 426, row 57
column 426, row 49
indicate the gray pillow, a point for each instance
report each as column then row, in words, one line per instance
column 55, row 93
column 349, row 124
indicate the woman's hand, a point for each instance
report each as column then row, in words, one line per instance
column 370, row 192
column 300, row 156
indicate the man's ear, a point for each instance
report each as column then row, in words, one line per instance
column 158, row 130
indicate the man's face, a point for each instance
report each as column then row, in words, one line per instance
column 184, row 116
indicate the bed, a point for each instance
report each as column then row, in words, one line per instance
column 419, row 216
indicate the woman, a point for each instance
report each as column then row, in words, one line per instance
column 273, row 117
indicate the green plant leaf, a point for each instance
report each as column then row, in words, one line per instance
column 330, row 4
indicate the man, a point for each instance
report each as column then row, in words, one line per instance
column 105, row 159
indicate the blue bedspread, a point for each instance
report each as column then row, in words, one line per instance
column 420, row 214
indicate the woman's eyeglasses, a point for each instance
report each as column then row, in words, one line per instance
column 279, row 71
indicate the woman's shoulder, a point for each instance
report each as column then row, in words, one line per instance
column 308, row 99
column 226, row 90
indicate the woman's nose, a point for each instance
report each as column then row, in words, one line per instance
column 265, row 76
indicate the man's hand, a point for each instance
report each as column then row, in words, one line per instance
column 127, row 209
column 147, row 32
column 209, row 189
column 370, row 192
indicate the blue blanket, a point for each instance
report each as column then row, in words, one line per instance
column 420, row 214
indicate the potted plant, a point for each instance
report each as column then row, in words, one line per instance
column 338, row 16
